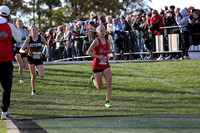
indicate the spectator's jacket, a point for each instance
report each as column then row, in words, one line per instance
column 183, row 22
column 195, row 26
column 50, row 39
column 156, row 22
column 116, row 29
column 9, row 34
column 77, row 33
column 125, row 26
column 138, row 28
column 195, row 30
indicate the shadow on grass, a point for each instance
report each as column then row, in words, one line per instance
column 150, row 90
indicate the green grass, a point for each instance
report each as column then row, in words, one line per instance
column 2, row 127
column 138, row 89
column 125, row 124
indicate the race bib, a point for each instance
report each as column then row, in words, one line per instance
column 36, row 55
column 103, row 62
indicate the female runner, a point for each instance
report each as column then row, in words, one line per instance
column 21, row 58
column 34, row 43
column 100, row 50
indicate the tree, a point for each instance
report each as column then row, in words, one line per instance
column 50, row 13
column 15, row 6
column 44, row 12
column 129, row 5
column 82, row 8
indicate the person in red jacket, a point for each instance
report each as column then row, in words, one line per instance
column 156, row 22
column 100, row 50
column 9, row 35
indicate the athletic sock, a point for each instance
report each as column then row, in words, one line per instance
column 4, row 113
column 34, row 91
column 107, row 102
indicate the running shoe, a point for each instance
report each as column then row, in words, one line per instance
column 90, row 81
column 21, row 81
column 33, row 92
column 5, row 117
column 107, row 105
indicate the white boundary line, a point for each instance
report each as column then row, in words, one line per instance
column 162, row 81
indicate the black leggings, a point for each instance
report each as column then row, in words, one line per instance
column 185, row 42
column 6, row 74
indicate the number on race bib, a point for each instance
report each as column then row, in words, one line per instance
column 36, row 55
column 103, row 62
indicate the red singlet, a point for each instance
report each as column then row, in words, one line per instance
column 101, row 50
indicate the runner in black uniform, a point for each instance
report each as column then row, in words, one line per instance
column 21, row 57
column 34, row 43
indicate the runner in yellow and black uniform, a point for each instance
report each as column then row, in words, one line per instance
column 34, row 43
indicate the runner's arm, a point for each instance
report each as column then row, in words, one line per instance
column 23, row 50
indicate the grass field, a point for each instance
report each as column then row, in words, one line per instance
column 138, row 89
column 2, row 127
column 125, row 124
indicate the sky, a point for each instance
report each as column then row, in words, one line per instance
column 158, row 4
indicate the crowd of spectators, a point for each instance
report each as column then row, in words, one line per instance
column 130, row 33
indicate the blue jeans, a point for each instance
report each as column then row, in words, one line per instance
column 141, row 46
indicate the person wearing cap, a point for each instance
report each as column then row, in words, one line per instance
column 9, row 35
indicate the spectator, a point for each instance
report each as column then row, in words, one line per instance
column 109, row 28
column 50, row 40
column 116, row 27
column 195, row 28
column 156, row 22
column 123, row 41
column 138, row 34
column 172, row 11
column 9, row 34
column 59, row 42
column 68, row 43
column 182, row 19
column 78, row 42
column 169, row 20
column 124, row 24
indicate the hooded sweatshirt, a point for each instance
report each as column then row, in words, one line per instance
column 183, row 22
column 9, row 34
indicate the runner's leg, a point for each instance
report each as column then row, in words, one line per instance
column 98, row 83
column 108, row 77
column 21, row 65
column 40, row 69
column 33, row 75
column 25, row 62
